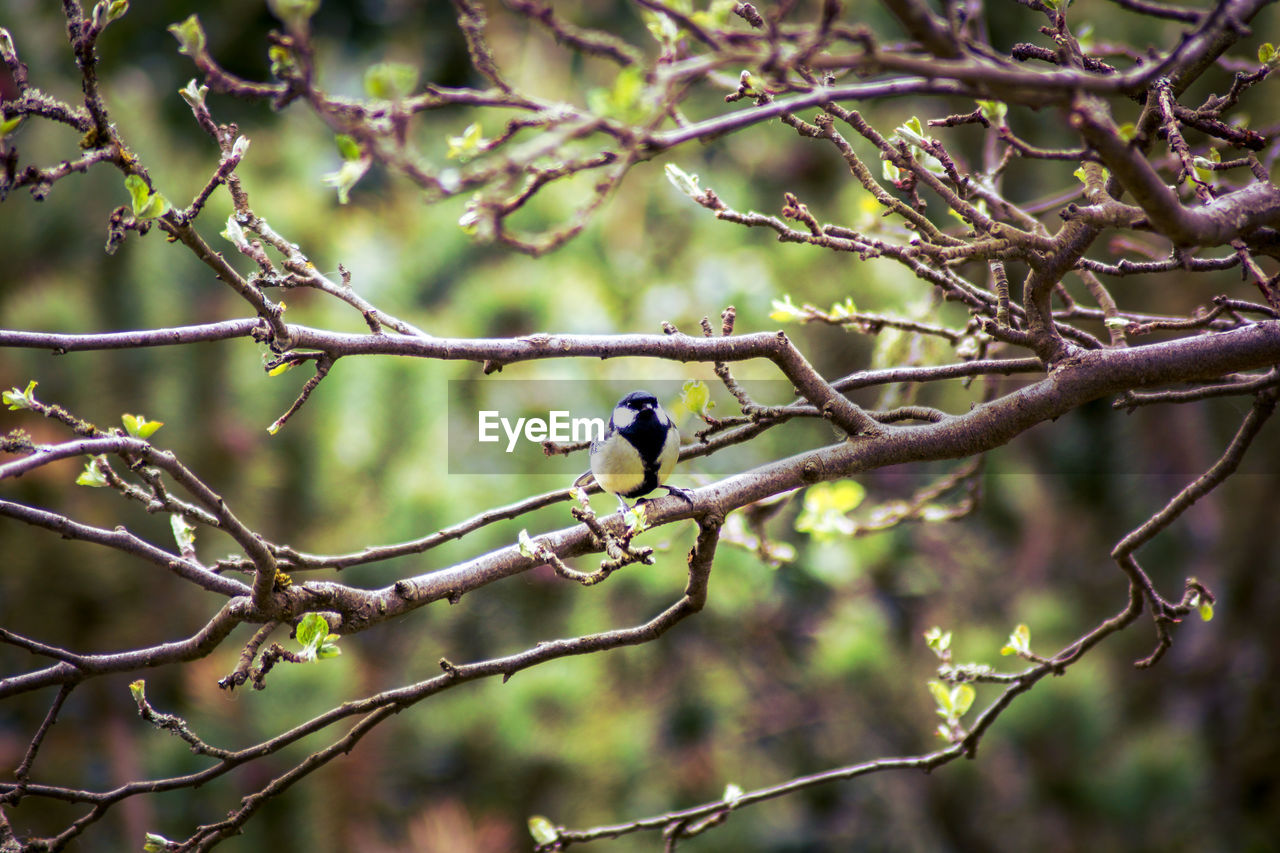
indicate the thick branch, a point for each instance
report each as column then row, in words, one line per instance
column 1223, row 220
column 1086, row 376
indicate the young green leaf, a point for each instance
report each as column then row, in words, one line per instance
column 156, row 206
column 1085, row 36
column 912, row 131
column 931, row 163
column 293, row 13
column 784, row 311
column 283, row 62
column 471, row 221
column 312, row 630
column 843, row 310
column 25, row 399
column 1019, row 642
column 329, row 647
column 683, row 181
column 637, row 518
column 390, row 81
column 139, row 690
column 235, row 234
column 146, row 203
column 941, row 698
column 952, row 701
column 526, row 544
column 826, row 508
column 1203, row 168
column 938, row 640
column 183, row 533
column 107, row 11
column 9, row 125
column 190, row 36
column 696, row 397
column 1082, row 176
column 193, row 94
column 347, row 146
column 139, row 427
column 347, row 176
column 628, row 86
column 625, row 101
column 155, row 843
column 467, row 146
column 543, row 831
column 1202, row 605
column 314, row 637
column 662, row 28
column 92, row 474
column 139, row 192
column 841, row 496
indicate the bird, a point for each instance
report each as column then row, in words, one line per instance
column 638, row 451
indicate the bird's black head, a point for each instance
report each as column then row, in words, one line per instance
column 637, row 411
column 638, row 400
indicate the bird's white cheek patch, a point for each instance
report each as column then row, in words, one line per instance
column 622, row 417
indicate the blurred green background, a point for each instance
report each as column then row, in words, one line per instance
column 788, row 671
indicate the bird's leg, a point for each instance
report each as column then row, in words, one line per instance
column 684, row 494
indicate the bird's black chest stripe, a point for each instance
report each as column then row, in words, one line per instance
column 647, row 437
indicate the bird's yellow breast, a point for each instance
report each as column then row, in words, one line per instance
column 617, row 467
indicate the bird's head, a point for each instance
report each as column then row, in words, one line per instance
column 638, row 407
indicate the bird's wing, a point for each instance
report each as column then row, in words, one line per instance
column 669, row 455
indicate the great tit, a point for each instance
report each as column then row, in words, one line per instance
column 638, row 451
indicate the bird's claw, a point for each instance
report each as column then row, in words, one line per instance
column 683, row 494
